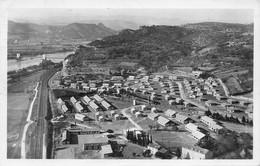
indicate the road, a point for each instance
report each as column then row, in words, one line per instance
column 23, row 142
column 234, row 97
column 183, row 96
column 130, row 119
column 37, row 138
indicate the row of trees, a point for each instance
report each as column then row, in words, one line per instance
column 142, row 139
column 229, row 119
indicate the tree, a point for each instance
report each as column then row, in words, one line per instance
column 243, row 120
column 178, row 153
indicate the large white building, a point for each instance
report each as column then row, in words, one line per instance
column 195, row 152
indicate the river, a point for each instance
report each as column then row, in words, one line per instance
column 13, row 64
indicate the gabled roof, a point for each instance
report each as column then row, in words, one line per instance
column 105, row 104
column 64, row 108
column 86, row 99
column 98, row 98
column 162, row 120
column 106, row 149
column 79, row 115
column 207, row 119
column 60, row 101
column 93, row 138
column 198, row 134
column 153, row 115
column 196, row 149
column 79, row 107
column 191, row 126
column 170, row 112
column 93, row 105
column 73, row 100
column 215, row 126
column 181, row 117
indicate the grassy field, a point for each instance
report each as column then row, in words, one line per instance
column 25, row 83
column 18, row 105
column 19, row 97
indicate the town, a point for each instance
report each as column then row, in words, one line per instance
column 129, row 114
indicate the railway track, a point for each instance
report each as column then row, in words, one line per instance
column 36, row 147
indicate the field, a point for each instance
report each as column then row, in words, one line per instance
column 19, row 97
column 18, row 105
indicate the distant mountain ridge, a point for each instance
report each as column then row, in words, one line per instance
column 30, row 31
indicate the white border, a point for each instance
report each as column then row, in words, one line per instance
column 174, row 4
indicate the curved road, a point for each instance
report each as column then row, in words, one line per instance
column 188, row 100
column 37, row 138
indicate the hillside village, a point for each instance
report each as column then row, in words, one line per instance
column 100, row 112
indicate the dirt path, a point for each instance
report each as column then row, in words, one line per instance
column 23, row 150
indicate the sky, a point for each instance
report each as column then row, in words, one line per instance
column 142, row 16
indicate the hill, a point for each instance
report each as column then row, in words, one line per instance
column 214, row 45
column 29, row 31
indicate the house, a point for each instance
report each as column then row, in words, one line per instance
column 60, row 101
column 101, row 118
column 222, row 98
column 195, row 152
column 154, row 147
column 92, row 142
column 112, row 113
column 133, row 110
column 78, row 107
column 197, row 135
column 117, row 117
column 179, row 100
column 214, row 127
column 86, row 99
column 117, row 78
column 64, row 137
column 92, row 85
column 166, row 97
column 153, row 116
column 106, row 104
column 73, row 100
column 73, row 85
column 171, row 113
column 183, row 119
column 81, row 117
column 97, row 98
column 165, row 122
column 93, row 105
column 231, row 101
column 191, row 127
column 207, row 120
column 153, row 109
column 64, row 108
column 138, row 114
column 106, row 150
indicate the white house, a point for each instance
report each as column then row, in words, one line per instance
column 60, row 101
column 64, row 108
column 197, row 135
column 73, row 100
column 195, row 152
column 81, row 117
column 153, row 116
column 191, row 127
column 78, row 106
column 207, row 120
column 86, row 99
column 105, row 104
column 93, row 105
column 171, row 113
column 97, row 98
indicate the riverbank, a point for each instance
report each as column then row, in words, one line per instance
column 14, row 65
